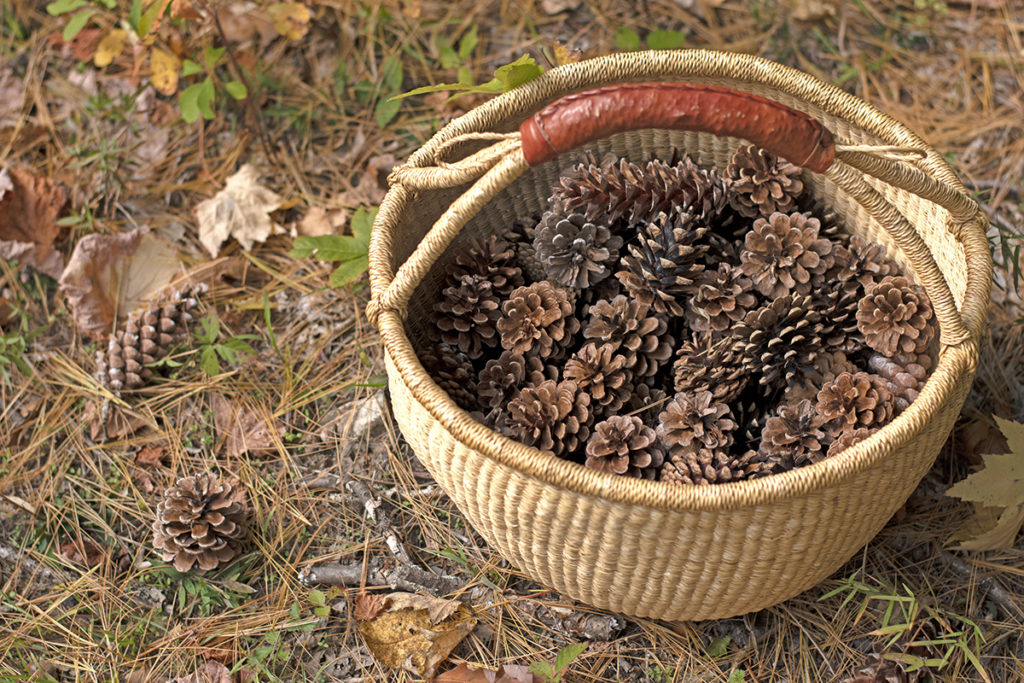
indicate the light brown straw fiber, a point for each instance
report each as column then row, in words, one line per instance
column 647, row 548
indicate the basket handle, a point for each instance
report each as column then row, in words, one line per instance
column 579, row 118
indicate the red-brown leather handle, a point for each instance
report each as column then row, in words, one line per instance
column 581, row 117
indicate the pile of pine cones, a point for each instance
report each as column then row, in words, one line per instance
column 665, row 321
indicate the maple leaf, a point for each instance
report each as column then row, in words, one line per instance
column 241, row 210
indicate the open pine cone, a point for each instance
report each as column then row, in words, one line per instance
column 781, row 339
column 552, row 416
column 791, row 438
column 493, row 259
column 849, row 438
column 601, row 372
column 503, row 377
column 200, row 524
column 467, row 314
column 851, row 401
column 761, row 183
column 624, row 445
column 698, row 432
column 896, row 317
column 453, row 371
column 638, row 333
column 783, row 252
column 721, row 298
column 575, row 252
column 538, row 320
column 706, row 364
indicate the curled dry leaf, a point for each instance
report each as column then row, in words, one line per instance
column 368, row 606
column 470, row 673
column 241, row 210
column 86, row 552
column 12, row 97
column 415, row 632
column 151, row 455
column 111, row 275
column 372, row 184
column 110, row 47
column 183, row 9
column 318, row 221
column 29, row 208
column 210, row 672
column 244, row 429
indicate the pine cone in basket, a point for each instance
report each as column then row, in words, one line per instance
column 624, row 445
column 538, row 320
column 503, row 377
column 871, row 260
column 665, row 262
column 827, row 365
column 147, row 337
column 851, row 401
column 635, row 331
column 493, row 259
column 200, row 523
column 896, row 317
column 552, row 416
column 783, row 252
column 904, row 375
column 453, row 371
column 761, row 183
column 698, row 432
column 467, row 314
column 706, row 364
column 781, row 339
column 849, row 438
column 791, row 438
column 722, row 298
column 601, row 372
column 575, row 252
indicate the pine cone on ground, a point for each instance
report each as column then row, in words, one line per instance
column 904, row 375
column 849, row 438
column 665, row 262
column 896, row 317
column 552, row 416
column 705, row 364
column 493, row 259
column 761, row 183
column 467, row 314
column 721, row 298
column 146, row 338
column 454, row 373
column 624, row 445
column 792, row 438
column 636, row 332
column 781, row 339
column 783, row 252
column 503, row 377
column 575, row 252
column 698, row 432
column 852, row 401
column 200, row 523
column 538, row 320
column 601, row 372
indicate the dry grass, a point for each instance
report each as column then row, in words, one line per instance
column 84, row 598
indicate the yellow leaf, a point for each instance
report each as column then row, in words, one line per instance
column 1001, row 482
column 163, row 72
column 111, row 46
column 564, row 56
column 989, row 529
column 291, row 19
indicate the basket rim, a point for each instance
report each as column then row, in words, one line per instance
column 953, row 364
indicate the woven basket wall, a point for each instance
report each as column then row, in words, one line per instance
column 646, row 548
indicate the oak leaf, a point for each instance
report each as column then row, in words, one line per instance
column 29, row 209
column 241, row 210
column 368, row 606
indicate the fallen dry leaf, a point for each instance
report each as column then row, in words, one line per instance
column 241, row 210
column 210, row 672
column 109, row 276
column 416, row 632
column 368, row 606
column 556, row 6
column 12, row 97
column 163, row 72
column 81, row 48
column 318, row 221
column 29, row 208
column 183, row 9
column 86, row 552
column 291, row 19
column 115, row 423
column 110, row 47
column 151, row 455
column 811, row 10
column 244, row 429
column 471, row 673
column 372, row 184
column 991, row 528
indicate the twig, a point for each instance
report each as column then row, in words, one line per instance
column 574, row 623
column 403, row 577
column 988, row 584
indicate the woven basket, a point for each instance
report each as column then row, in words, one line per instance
column 647, row 548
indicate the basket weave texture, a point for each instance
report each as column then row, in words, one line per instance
column 650, row 549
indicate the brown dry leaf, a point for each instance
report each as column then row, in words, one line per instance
column 471, row 673
column 116, row 424
column 110, row 47
column 368, row 606
column 183, row 9
column 210, row 672
column 29, row 208
column 564, row 55
column 163, row 71
column 291, row 19
column 151, row 455
column 556, row 6
column 109, row 276
column 86, row 553
column 416, row 632
column 811, row 10
column 991, row 528
column 12, row 97
column 241, row 210
column 81, row 48
column 318, row 221
column 371, row 188
column 244, row 429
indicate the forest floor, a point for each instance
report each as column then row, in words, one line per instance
column 301, row 420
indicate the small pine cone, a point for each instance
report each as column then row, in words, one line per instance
column 704, row 364
column 760, row 183
column 522, row 234
column 794, row 436
column 849, row 438
column 783, row 252
column 781, row 339
column 503, row 377
column 698, row 431
column 896, row 317
column 754, row 464
column 871, row 261
column 665, row 262
column 637, row 333
column 200, row 523
column 493, row 259
column 454, row 373
column 721, row 299
column 552, row 416
column 827, row 366
column 851, row 401
column 624, row 445
column 574, row 252
column 601, row 372
column 467, row 314
column 904, row 375
column 538, row 320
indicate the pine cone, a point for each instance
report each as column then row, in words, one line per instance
column 634, row 330
column 454, row 373
column 554, row 417
column 896, row 317
column 705, row 364
column 601, row 372
column 624, row 445
column 503, row 377
column 849, row 438
column 697, row 430
column 851, row 401
column 200, row 523
column 761, row 183
column 147, row 337
column 647, row 402
column 871, row 261
column 467, row 314
column 792, row 438
column 904, row 375
column 574, row 252
column 782, row 253
column 493, row 259
column 827, row 365
column 664, row 264
column 781, row 339
column 538, row 320
column 721, row 299
column 522, row 234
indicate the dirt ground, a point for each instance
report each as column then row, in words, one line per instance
column 302, row 421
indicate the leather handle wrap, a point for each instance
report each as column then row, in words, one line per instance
column 581, row 117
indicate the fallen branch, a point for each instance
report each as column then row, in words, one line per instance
column 404, row 577
column 574, row 623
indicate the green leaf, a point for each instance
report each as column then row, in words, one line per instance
column 719, row 646
column 468, row 43
column 317, row 598
column 423, row 90
column 77, row 23
column 521, row 71
column 385, row 111
column 738, row 676
column 59, row 7
column 236, row 89
column 234, row 349
column 665, row 40
column 543, row 669
column 626, row 39
column 212, row 55
column 208, row 361
column 362, row 222
column 349, row 271
column 446, row 53
column 466, row 76
column 209, row 328
column 135, row 15
column 150, row 16
column 567, row 655
column 188, row 102
column 391, row 73
column 188, row 68
column 328, row 247
column 206, row 98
